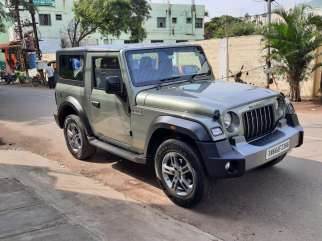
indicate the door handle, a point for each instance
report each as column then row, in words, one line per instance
column 96, row 104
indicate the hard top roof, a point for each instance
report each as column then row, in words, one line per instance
column 119, row 47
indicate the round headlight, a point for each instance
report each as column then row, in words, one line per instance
column 231, row 122
column 227, row 120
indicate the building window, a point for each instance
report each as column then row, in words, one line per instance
column 161, row 22
column 174, row 20
column 59, row 17
column 128, row 41
column 199, row 22
column 156, row 41
column 44, row 19
column 189, row 20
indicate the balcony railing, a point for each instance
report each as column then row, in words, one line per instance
column 50, row 3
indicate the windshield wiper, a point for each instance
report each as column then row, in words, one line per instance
column 167, row 79
column 170, row 78
column 192, row 77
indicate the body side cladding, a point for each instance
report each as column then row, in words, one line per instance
column 71, row 102
column 186, row 127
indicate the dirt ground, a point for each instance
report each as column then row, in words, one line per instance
column 308, row 106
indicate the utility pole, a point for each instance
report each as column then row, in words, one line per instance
column 14, row 7
column 193, row 16
column 268, row 61
column 34, row 27
column 227, row 48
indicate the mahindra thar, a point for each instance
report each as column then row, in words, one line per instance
column 160, row 105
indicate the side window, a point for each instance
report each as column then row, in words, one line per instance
column 105, row 67
column 71, row 67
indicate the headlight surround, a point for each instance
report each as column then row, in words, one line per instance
column 227, row 120
column 280, row 108
column 289, row 107
column 231, row 122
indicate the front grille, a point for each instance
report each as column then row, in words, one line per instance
column 258, row 122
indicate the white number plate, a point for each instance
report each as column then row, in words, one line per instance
column 278, row 149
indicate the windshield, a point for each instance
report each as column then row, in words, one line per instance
column 153, row 66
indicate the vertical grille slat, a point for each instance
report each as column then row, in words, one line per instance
column 258, row 122
column 246, row 126
column 249, row 121
column 262, row 120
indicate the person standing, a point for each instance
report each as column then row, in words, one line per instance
column 51, row 76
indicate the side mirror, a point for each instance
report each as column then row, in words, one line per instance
column 113, row 85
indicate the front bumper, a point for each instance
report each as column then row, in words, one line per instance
column 56, row 119
column 244, row 156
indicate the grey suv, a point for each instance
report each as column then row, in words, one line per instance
column 160, row 105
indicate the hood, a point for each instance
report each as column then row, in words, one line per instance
column 203, row 97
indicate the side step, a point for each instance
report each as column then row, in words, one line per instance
column 131, row 156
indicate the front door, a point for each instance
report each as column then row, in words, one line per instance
column 109, row 113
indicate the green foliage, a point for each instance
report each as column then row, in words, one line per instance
column 111, row 17
column 3, row 18
column 14, row 6
column 220, row 27
column 294, row 42
column 141, row 12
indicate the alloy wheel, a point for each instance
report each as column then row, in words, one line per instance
column 74, row 137
column 178, row 174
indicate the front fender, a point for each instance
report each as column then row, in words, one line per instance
column 190, row 128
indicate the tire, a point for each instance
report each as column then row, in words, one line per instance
column 274, row 162
column 77, row 142
column 185, row 156
column 35, row 83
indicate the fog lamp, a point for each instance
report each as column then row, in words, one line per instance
column 228, row 166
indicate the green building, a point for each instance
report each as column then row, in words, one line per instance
column 168, row 23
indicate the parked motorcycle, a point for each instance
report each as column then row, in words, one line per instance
column 8, row 78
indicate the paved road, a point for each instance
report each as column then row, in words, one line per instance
column 282, row 203
column 26, row 104
column 41, row 200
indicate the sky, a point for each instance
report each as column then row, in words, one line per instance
column 235, row 7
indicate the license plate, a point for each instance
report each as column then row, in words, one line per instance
column 277, row 150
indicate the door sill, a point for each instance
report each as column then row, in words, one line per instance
column 118, row 151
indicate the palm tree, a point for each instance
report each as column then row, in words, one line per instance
column 294, row 42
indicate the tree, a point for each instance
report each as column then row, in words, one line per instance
column 3, row 18
column 294, row 43
column 77, row 30
column 228, row 26
column 140, row 13
column 15, row 7
column 109, row 17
